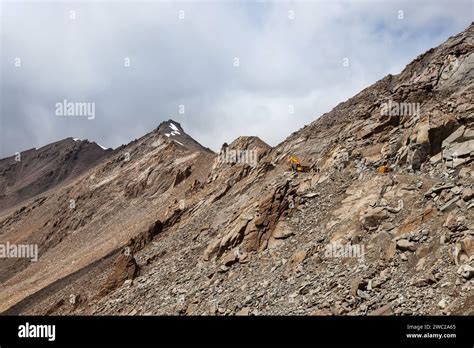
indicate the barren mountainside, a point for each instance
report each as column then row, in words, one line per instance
column 29, row 173
column 163, row 225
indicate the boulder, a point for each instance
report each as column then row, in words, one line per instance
column 422, row 135
column 357, row 284
column 373, row 217
column 449, row 203
column 125, row 267
column 425, row 281
column 466, row 271
column 467, row 246
column 405, row 245
column 458, row 148
column 467, row 194
column 229, row 259
column 384, row 310
column 245, row 311
column 443, row 303
column 282, row 230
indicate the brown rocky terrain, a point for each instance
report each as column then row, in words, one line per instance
column 165, row 226
column 34, row 171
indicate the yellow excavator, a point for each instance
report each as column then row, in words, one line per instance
column 296, row 165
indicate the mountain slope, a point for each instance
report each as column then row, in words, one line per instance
column 111, row 203
column 34, row 171
column 168, row 227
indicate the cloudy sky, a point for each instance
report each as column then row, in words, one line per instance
column 236, row 67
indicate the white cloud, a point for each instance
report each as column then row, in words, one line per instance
column 190, row 61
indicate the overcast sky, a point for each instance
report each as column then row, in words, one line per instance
column 290, row 69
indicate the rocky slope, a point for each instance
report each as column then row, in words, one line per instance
column 382, row 224
column 34, row 171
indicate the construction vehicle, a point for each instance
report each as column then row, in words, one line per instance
column 296, row 165
column 383, row 169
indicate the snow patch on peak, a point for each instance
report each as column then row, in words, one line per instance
column 174, row 129
column 103, row 147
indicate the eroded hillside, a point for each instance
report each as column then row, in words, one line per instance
column 165, row 226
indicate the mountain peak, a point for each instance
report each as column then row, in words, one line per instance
column 249, row 142
column 173, row 131
column 170, row 128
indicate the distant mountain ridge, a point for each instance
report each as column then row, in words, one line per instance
column 34, row 171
